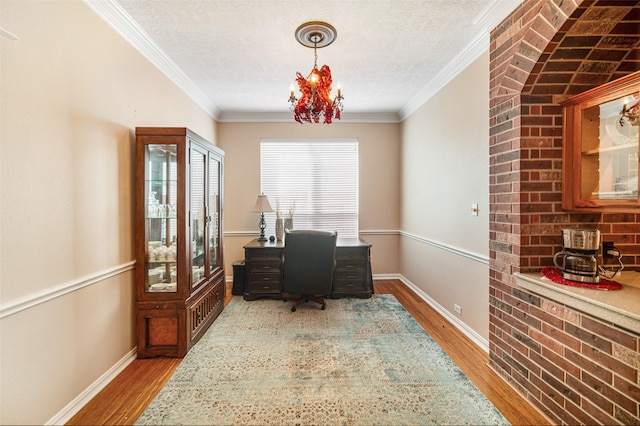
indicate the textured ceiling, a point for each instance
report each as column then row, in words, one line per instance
column 242, row 55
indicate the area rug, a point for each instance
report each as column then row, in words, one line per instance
column 359, row 362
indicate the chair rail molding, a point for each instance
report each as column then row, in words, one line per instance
column 456, row 250
column 361, row 232
column 484, row 259
column 32, row 300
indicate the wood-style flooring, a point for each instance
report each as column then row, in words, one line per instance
column 123, row 400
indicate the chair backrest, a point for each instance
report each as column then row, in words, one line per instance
column 309, row 261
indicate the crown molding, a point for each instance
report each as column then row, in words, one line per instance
column 287, row 117
column 461, row 61
column 492, row 15
column 8, row 35
column 118, row 19
column 495, row 12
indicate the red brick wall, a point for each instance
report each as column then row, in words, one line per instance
column 572, row 366
column 576, row 368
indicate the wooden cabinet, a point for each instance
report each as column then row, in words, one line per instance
column 264, row 261
column 180, row 276
column 600, row 148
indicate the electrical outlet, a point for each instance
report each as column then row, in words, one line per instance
column 457, row 308
column 607, row 247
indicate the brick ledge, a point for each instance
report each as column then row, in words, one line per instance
column 621, row 307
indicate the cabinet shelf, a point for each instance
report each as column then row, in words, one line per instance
column 162, row 181
column 614, row 148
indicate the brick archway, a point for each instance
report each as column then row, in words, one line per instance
column 543, row 52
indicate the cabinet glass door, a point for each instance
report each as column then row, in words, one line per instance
column 215, row 252
column 600, row 144
column 609, row 151
column 198, row 214
column 161, row 217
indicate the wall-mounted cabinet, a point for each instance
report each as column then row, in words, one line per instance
column 600, row 148
column 179, row 267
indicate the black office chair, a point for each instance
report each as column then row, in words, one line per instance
column 309, row 263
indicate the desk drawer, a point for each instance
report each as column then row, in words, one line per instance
column 264, row 282
column 351, row 273
column 352, row 253
column 350, row 285
column 262, row 267
column 269, row 255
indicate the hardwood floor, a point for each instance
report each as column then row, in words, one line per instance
column 123, row 400
column 471, row 359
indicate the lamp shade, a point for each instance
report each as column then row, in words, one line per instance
column 262, row 204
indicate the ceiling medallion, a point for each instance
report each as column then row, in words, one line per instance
column 316, row 104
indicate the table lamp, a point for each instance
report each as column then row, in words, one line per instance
column 262, row 205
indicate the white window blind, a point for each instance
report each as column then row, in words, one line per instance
column 316, row 180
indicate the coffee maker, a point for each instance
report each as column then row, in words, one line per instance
column 579, row 255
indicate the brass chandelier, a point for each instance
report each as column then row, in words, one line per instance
column 316, row 104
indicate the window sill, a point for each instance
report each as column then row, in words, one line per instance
column 620, row 307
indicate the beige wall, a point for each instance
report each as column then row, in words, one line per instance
column 379, row 158
column 445, row 169
column 72, row 92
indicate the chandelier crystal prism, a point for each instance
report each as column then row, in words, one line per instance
column 316, row 103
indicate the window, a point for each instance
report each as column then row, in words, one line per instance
column 316, row 180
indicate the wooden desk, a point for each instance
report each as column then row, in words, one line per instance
column 264, row 268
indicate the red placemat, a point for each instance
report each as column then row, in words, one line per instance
column 555, row 275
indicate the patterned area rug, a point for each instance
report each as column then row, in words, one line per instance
column 359, row 362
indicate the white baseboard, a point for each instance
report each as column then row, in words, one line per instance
column 64, row 415
column 464, row 328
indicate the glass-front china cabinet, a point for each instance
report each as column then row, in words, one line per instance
column 600, row 151
column 179, row 268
